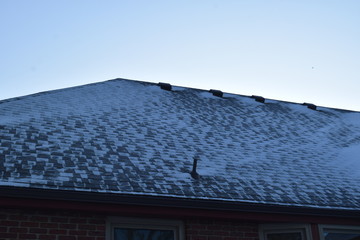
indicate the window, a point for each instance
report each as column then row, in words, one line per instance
column 285, row 232
column 333, row 232
column 144, row 229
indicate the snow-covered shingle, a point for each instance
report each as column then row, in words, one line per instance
column 131, row 137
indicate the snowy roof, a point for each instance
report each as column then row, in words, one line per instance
column 131, row 137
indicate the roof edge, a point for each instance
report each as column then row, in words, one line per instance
column 153, row 83
column 164, row 201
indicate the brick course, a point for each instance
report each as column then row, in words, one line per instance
column 49, row 225
column 54, row 225
column 198, row 229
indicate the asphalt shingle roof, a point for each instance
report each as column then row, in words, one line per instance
column 124, row 136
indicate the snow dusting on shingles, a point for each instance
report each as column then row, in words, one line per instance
column 207, row 94
column 132, row 137
column 349, row 159
column 177, row 89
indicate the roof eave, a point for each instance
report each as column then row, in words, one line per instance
column 172, row 202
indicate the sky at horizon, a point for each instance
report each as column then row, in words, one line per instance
column 298, row 51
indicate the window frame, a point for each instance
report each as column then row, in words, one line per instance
column 144, row 223
column 339, row 228
column 265, row 229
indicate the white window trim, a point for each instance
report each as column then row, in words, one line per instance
column 341, row 228
column 149, row 223
column 284, row 228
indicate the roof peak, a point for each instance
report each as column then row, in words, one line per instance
column 217, row 93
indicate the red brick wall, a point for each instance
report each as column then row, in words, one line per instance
column 197, row 229
column 26, row 224
column 51, row 225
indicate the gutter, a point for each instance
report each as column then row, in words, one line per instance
column 19, row 195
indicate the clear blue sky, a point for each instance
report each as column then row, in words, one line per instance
column 300, row 51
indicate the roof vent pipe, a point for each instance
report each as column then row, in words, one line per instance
column 310, row 105
column 216, row 93
column 258, row 98
column 165, row 86
column 193, row 173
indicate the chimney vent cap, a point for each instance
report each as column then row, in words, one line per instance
column 258, row 98
column 165, row 86
column 216, row 93
column 194, row 173
column 310, row 106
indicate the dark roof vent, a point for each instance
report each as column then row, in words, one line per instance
column 216, row 93
column 310, row 105
column 165, row 86
column 258, row 98
column 193, row 173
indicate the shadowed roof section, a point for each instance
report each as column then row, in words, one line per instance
column 131, row 137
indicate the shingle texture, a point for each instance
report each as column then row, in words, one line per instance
column 131, row 137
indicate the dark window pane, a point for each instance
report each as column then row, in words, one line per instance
column 284, row 236
column 341, row 236
column 142, row 234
